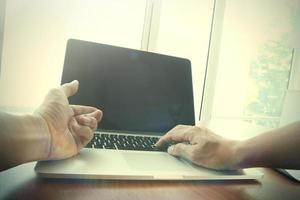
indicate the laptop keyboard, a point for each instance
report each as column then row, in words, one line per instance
column 124, row 142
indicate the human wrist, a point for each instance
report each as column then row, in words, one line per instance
column 35, row 138
column 43, row 137
column 24, row 138
column 243, row 155
column 229, row 155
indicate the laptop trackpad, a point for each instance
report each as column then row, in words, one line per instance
column 150, row 161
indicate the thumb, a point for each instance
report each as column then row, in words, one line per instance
column 70, row 88
column 182, row 150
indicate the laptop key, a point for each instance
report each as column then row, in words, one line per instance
column 124, row 142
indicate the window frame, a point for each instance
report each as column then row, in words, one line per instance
column 212, row 62
column 2, row 23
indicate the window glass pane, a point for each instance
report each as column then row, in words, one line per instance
column 184, row 30
column 256, row 49
column 36, row 33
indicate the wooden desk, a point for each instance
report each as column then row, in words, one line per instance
column 22, row 183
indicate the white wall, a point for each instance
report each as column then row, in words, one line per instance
column 36, row 32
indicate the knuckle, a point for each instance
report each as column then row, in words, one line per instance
column 199, row 130
column 187, row 133
column 101, row 113
column 180, row 126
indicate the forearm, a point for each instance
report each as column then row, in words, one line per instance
column 278, row 148
column 23, row 138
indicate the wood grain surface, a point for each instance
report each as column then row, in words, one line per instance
column 22, row 183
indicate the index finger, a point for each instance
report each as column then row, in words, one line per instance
column 96, row 114
column 79, row 110
column 179, row 133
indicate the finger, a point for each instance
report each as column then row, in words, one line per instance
column 166, row 137
column 79, row 110
column 87, row 121
column 82, row 134
column 70, row 88
column 182, row 150
column 180, row 134
column 96, row 114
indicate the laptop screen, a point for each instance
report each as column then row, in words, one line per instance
column 137, row 91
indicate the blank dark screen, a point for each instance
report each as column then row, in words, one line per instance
column 137, row 91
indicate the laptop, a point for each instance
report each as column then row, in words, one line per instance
column 142, row 95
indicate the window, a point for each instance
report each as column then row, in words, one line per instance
column 36, row 33
column 253, row 46
column 256, row 43
column 184, row 31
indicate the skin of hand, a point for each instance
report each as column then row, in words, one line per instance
column 200, row 146
column 69, row 127
column 276, row 148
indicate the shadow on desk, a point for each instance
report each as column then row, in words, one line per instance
column 22, row 183
column 37, row 188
